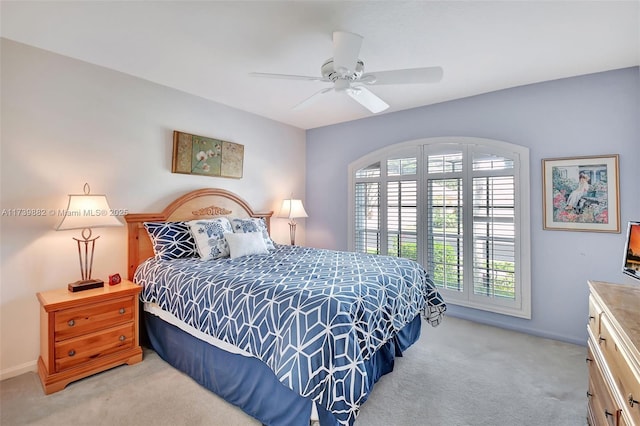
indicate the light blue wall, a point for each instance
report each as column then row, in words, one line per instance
column 65, row 122
column 588, row 115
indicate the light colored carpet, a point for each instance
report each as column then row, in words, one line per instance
column 458, row 374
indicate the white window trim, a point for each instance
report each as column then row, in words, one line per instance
column 522, row 307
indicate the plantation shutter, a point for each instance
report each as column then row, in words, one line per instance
column 493, row 226
column 402, row 208
column 367, row 210
column 445, row 236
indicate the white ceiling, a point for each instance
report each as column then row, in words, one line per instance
column 207, row 48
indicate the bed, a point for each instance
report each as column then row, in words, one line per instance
column 291, row 335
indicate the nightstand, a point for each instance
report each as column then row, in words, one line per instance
column 87, row 332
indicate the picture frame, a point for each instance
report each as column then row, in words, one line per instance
column 581, row 193
column 201, row 155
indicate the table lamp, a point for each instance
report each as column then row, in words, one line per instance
column 87, row 211
column 292, row 209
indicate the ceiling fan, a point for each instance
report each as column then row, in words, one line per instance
column 346, row 71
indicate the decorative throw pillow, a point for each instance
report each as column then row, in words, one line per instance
column 253, row 224
column 171, row 240
column 209, row 236
column 246, row 244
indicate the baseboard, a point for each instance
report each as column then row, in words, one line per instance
column 27, row 367
column 525, row 330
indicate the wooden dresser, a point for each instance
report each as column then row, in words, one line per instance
column 613, row 354
column 86, row 332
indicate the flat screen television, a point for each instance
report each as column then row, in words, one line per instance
column 631, row 265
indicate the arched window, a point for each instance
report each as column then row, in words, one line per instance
column 460, row 207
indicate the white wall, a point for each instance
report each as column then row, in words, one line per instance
column 66, row 122
column 587, row 115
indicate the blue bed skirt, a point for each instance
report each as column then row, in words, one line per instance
column 247, row 382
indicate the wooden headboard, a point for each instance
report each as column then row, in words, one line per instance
column 198, row 204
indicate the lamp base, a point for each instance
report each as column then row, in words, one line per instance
column 292, row 232
column 85, row 285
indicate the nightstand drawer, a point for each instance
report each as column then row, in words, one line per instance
column 85, row 319
column 88, row 347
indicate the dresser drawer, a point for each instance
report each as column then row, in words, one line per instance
column 86, row 319
column 601, row 403
column 626, row 381
column 79, row 350
column 594, row 316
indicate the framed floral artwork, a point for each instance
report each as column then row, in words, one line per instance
column 200, row 155
column 581, row 194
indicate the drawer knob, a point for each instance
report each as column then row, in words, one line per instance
column 588, row 360
column 601, row 339
column 71, row 323
column 591, row 317
column 607, row 413
column 122, row 311
column 122, row 338
column 632, row 401
column 72, row 352
column 589, row 394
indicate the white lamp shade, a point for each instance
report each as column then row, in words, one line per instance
column 292, row 209
column 88, row 211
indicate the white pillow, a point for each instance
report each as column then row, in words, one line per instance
column 245, row 244
column 253, row 224
column 209, row 236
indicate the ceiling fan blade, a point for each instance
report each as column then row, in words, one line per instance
column 346, row 47
column 286, row 76
column 367, row 99
column 405, row 76
column 312, row 99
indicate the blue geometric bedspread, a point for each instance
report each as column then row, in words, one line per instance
column 313, row 316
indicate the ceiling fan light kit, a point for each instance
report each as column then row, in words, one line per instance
column 346, row 71
column 329, row 72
